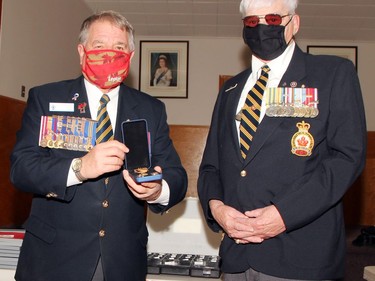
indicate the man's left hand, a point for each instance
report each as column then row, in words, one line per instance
column 267, row 222
column 147, row 191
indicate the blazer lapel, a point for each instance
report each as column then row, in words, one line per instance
column 264, row 131
column 78, row 95
column 125, row 111
column 233, row 89
column 296, row 72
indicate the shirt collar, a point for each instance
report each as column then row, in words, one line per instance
column 94, row 92
column 94, row 95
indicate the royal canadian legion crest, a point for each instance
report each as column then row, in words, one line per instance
column 302, row 141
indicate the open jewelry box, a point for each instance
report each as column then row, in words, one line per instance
column 136, row 137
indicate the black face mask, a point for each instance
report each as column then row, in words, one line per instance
column 266, row 41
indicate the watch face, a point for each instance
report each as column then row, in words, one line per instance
column 76, row 165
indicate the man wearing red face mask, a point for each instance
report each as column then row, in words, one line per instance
column 87, row 219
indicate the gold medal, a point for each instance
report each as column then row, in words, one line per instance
column 314, row 112
column 308, row 112
column 141, row 170
column 289, row 111
column 270, row 111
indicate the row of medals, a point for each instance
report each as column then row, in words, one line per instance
column 292, row 102
column 291, row 111
column 80, row 133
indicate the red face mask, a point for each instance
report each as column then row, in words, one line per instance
column 106, row 68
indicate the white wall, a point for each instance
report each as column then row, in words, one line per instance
column 208, row 58
column 38, row 45
column 211, row 57
column 38, row 42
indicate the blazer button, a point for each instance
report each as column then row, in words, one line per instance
column 102, row 233
column 105, row 204
column 51, row 195
column 243, row 173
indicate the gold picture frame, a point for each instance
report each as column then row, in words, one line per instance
column 176, row 55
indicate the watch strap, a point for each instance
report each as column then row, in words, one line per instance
column 79, row 176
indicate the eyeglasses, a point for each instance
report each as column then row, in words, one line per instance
column 271, row 19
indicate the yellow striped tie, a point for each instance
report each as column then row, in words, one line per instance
column 104, row 130
column 251, row 112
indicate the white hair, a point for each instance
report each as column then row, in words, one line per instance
column 255, row 4
column 114, row 18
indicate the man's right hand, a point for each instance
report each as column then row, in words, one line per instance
column 234, row 223
column 103, row 158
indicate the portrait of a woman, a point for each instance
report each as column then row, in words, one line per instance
column 163, row 75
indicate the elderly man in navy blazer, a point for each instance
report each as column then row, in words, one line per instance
column 278, row 201
column 87, row 220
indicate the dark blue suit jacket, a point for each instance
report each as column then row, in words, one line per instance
column 307, row 191
column 62, row 239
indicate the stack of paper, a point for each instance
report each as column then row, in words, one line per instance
column 10, row 245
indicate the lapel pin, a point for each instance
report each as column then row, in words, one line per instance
column 82, row 107
column 231, row 88
column 75, row 97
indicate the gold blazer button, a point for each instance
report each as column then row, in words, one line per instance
column 105, row 204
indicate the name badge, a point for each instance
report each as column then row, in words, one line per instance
column 61, row 107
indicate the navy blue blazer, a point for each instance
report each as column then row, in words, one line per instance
column 62, row 239
column 307, row 191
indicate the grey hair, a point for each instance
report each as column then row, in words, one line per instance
column 114, row 18
column 255, row 4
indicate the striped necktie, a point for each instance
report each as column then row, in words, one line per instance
column 104, row 130
column 251, row 112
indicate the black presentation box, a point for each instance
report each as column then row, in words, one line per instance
column 136, row 137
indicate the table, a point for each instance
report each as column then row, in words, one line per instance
column 8, row 275
column 165, row 277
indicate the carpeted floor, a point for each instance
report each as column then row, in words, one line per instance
column 357, row 256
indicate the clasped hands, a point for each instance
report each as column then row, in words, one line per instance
column 109, row 157
column 253, row 226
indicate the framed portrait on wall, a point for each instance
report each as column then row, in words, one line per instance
column 348, row 52
column 163, row 68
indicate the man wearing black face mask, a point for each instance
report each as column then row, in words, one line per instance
column 267, row 42
column 287, row 139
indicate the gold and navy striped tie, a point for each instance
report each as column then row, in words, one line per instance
column 104, row 130
column 251, row 112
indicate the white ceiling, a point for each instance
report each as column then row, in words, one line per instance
column 352, row 20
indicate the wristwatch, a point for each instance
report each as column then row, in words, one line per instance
column 76, row 167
